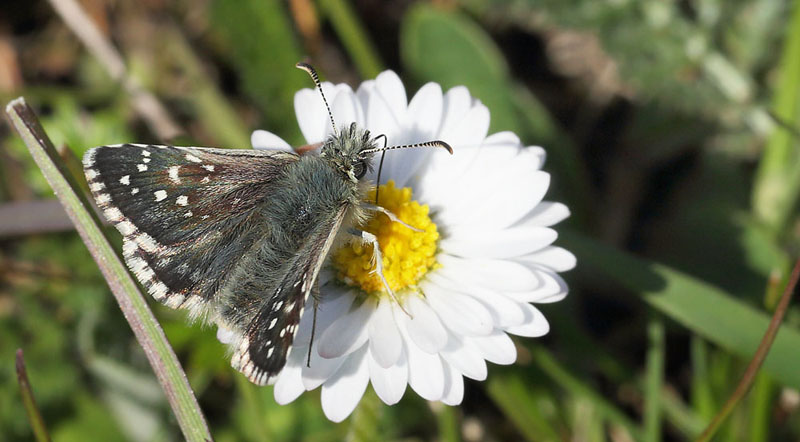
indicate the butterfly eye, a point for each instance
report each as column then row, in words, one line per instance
column 359, row 169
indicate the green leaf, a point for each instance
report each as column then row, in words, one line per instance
column 450, row 49
column 704, row 309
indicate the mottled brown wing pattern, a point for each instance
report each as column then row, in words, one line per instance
column 186, row 214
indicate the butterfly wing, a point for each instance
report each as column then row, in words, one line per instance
column 263, row 348
column 187, row 215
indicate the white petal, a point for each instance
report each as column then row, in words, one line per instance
column 545, row 214
column 289, row 385
column 345, row 110
column 499, row 274
column 539, row 152
column 506, row 243
column 424, row 114
column 341, row 393
column 425, row 370
column 363, row 93
column 502, row 138
column 456, row 103
column 424, row 327
column 459, row 312
column 470, row 130
column 497, row 347
column 535, row 323
column 555, row 258
column 504, row 199
column 261, row 139
column 312, row 117
column 380, row 118
column 505, row 311
column 347, row 333
column 388, row 85
column 465, row 358
column 334, row 304
column 320, row 369
column 552, row 289
column 390, row 382
column 453, row 386
column 385, row 342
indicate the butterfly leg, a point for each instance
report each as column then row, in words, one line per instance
column 377, row 257
column 392, row 216
column 315, row 294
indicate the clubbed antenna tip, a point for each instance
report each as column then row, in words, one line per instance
column 313, row 73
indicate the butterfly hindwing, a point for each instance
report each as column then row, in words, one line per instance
column 187, row 215
column 267, row 338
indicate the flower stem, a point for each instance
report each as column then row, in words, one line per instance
column 144, row 325
column 34, row 416
column 758, row 358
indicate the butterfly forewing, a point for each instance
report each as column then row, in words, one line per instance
column 187, row 215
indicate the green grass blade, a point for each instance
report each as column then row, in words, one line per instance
column 777, row 185
column 566, row 380
column 702, row 395
column 702, row 308
column 354, row 37
column 654, row 380
column 29, row 402
column 515, row 398
column 144, row 325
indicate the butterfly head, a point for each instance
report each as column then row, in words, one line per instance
column 350, row 150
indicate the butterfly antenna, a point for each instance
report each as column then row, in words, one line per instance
column 435, row 143
column 313, row 73
column 380, row 168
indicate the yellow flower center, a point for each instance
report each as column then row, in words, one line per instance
column 407, row 254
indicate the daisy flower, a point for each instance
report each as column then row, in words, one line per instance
column 466, row 283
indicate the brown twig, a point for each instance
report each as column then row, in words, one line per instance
column 145, row 103
column 758, row 358
column 34, row 416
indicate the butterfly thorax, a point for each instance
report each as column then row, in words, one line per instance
column 344, row 150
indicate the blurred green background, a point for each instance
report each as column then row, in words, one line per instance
column 672, row 132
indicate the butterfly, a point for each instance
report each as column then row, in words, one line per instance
column 239, row 236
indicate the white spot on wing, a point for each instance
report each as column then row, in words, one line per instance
column 158, row 290
column 113, row 214
column 145, row 160
column 205, row 179
column 126, row 228
column 146, row 242
column 141, row 167
column 182, row 200
column 160, row 195
column 193, row 158
column 134, row 191
column 126, row 180
column 188, row 214
column 96, row 187
column 145, row 153
column 208, row 167
column 173, row 174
